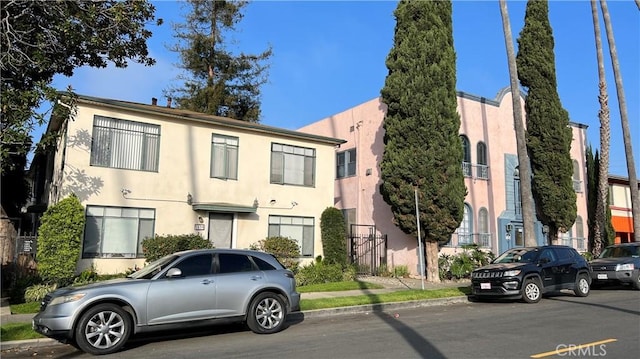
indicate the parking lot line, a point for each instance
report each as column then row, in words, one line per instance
column 563, row 348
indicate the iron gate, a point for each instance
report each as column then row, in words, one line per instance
column 367, row 250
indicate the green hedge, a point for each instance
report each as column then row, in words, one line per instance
column 160, row 246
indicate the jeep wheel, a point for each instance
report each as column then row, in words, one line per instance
column 103, row 329
column 266, row 314
column 636, row 282
column 531, row 291
column 582, row 286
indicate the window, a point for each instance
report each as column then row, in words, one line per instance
column 346, row 163
column 483, row 227
column 517, row 200
column 481, row 153
column 224, row 157
column 349, row 215
column 195, row 265
column 466, row 153
column 125, row 144
column 577, row 184
column 292, row 165
column 299, row 229
column 464, row 231
column 234, row 263
column 116, row 231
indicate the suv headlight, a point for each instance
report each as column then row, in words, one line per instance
column 628, row 266
column 67, row 298
column 511, row 273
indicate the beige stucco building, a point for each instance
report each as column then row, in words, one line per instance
column 492, row 207
column 144, row 169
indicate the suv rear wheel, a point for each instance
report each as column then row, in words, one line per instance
column 582, row 286
column 267, row 313
column 531, row 291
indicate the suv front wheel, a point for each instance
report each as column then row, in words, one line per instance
column 531, row 291
column 582, row 286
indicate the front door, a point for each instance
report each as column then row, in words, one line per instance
column 220, row 229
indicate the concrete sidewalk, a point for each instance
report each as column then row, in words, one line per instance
column 390, row 285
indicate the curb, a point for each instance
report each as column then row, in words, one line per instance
column 296, row 316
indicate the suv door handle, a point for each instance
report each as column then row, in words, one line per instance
column 206, row 281
column 256, row 277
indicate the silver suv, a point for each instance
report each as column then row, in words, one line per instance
column 179, row 290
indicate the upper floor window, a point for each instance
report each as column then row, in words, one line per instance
column 116, row 231
column 481, row 153
column 224, row 157
column 466, row 156
column 125, row 144
column 292, row 165
column 577, row 184
column 346, row 163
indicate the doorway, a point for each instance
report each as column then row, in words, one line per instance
column 220, row 229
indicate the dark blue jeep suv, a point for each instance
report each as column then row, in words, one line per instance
column 529, row 272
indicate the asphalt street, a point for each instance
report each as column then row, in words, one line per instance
column 604, row 324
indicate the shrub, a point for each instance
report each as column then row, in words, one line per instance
column 334, row 237
column 461, row 265
column 160, row 246
column 319, row 272
column 60, row 239
column 36, row 293
column 87, row 276
column 400, row 271
column 17, row 291
column 285, row 249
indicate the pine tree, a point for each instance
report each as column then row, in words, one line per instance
column 548, row 133
column 217, row 81
column 423, row 149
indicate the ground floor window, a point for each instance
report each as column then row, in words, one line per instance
column 299, row 229
column 116, row 231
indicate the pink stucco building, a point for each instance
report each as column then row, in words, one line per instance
column 492, row 208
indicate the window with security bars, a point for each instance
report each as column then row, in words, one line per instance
column 224, row 157
column 125, row 144
column 292, row 165
column 299, row 229
column 116, row 232
column 346, row 163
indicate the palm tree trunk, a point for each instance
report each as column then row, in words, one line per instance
column 626, row 134
column 602, row 188
column 523, row 157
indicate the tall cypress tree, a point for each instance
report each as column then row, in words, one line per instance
column 423, row 149
column 217, row 81
column 548, row 133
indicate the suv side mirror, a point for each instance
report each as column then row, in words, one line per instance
column 174, row 272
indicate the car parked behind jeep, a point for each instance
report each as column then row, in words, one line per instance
column 527, row 273
column 617, row 264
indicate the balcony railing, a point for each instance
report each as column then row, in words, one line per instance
column 577, row 186
column 579, row 243
column 482, row 172
column 483, row 240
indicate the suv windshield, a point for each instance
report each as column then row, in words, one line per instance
column 622, row 251
column 520, row 255
column 153, row 268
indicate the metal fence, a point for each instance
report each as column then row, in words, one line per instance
column 367, row 251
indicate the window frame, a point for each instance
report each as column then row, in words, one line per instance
column 119, row 144
column 280, row 173
column 275, row 224
column 230, row 164
column 148, row 215
column 347, row 165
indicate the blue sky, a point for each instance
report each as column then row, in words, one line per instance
column 329, row 56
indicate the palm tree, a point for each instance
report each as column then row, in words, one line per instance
column 521, row 143
column 605, row 135
column 626, row 135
